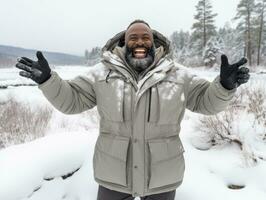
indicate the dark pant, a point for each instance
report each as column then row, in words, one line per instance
column 107, row 194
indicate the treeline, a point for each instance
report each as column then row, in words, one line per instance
column 204, row 43
column 93, row 56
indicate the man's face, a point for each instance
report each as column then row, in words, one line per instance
column 139, row 46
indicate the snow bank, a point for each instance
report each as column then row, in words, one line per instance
column 28, row 167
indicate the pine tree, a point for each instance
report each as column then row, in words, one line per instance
column 260, row 27
column 93, row 56
column 203, row 28
column 245, row 15
column 232, row 42
column 179, row 41
column 211, row 50
column 86, row 55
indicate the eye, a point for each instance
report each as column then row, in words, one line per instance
column 146, row 38
column 132, row 38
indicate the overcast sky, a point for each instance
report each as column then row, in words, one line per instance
column 71, row 26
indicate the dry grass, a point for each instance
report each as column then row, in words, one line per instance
column 19, row 123
column 248, row 110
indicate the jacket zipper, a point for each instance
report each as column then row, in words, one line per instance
column 132, row 133
column 149, row 108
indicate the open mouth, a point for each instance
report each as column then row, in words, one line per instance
column 139, row 52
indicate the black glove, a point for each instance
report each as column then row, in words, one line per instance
column 231, row 76
column 39, row 71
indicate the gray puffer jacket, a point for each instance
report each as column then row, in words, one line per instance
column 138, row 150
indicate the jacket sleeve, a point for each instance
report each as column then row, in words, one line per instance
column 207, row 97
column 69, row 96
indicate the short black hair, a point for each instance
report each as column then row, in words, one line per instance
column 138, row 21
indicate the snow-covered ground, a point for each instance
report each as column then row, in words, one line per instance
column 37, row 170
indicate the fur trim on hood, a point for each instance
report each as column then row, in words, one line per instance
column 159, row 40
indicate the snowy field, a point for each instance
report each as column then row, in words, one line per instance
column 39, row 170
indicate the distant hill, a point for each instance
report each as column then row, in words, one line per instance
column 9, row 55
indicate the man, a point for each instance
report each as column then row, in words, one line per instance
column 141, row 96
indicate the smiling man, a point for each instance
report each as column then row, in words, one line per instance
column 140, row 49
column 141, row 95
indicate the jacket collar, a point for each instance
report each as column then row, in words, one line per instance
column 159, row 66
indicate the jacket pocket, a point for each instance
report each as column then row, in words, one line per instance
column 110, row 159
column 171, row 100
column 166, row 162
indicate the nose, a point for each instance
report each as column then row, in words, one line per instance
column 140, row 42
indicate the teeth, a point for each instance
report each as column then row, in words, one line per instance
column 140, row 50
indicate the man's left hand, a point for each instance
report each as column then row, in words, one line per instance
column 231, row 76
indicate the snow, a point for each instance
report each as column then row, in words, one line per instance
column 119, row 93
column 182, row 97
column 31, row 163
column 171, row 90
column 69, row 145
column 209, row 172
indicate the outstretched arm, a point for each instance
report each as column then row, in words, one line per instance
column 70, row 97
column 212, row 97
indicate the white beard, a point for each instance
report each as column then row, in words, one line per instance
column 139, row 64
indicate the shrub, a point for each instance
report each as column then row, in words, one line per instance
column 243, row 124
column 19, row 123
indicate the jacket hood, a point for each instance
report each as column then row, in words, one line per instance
column 119, row 40
column 115, row 48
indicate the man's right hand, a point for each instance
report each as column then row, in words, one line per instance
column 39, row 71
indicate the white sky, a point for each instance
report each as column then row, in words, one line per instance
column 71, row 26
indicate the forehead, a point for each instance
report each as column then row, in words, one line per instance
column 138, row 28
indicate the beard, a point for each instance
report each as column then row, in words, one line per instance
column 140, row 64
